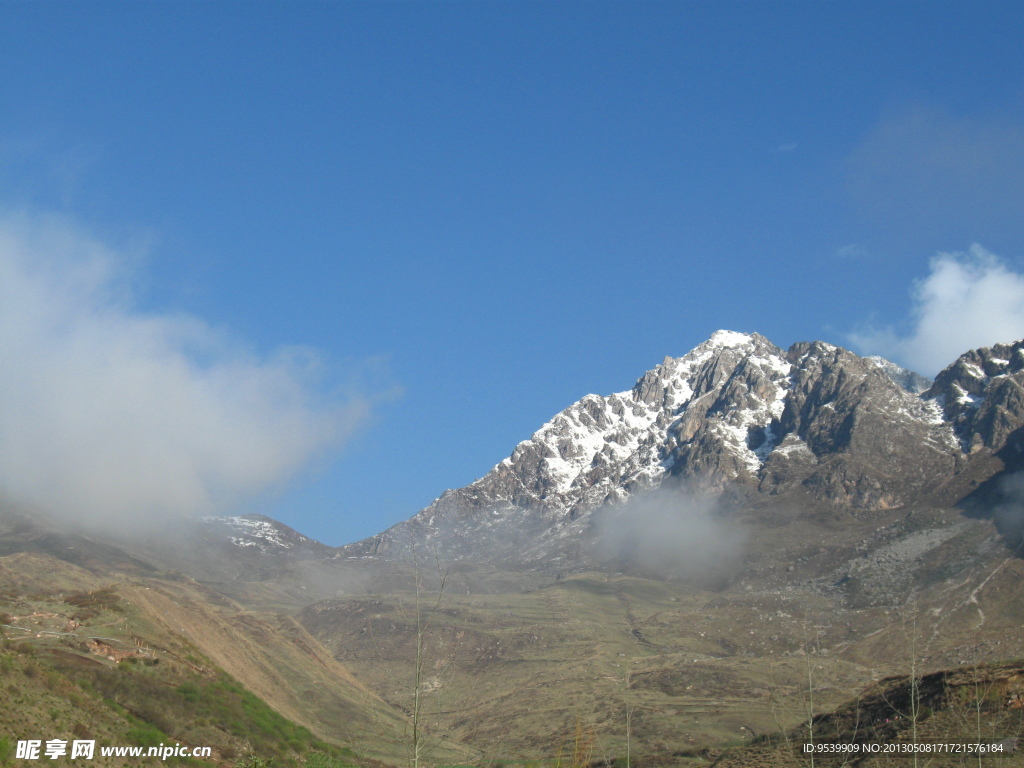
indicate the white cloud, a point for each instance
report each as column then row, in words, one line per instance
column 968, row 300
column 852, row 251
column 113, row 416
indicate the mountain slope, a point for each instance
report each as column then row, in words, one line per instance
column 181, row 623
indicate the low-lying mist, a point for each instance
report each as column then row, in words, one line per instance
column 672, row 533
column 1009, row 512
column 117, row 418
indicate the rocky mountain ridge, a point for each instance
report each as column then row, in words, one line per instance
column 982, row 395
column 738, row 412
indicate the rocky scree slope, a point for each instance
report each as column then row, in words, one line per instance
column 858, row 433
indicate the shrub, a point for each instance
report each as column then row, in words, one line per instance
column 189, row 692
column 145, row 735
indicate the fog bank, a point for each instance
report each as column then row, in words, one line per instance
column 113, row 416
column 1009, row 512
column 672, row 533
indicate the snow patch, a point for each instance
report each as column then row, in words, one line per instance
column 256, row 529
column 729, row 339
column 798, row 446
column 966, row 398
column 974, row 370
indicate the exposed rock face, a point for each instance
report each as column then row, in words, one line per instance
column 858, row 433
column 982, row 395
column 853, row 436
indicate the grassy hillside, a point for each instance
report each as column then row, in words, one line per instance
column 51, row 694
column 75, row 667
column 134, row 659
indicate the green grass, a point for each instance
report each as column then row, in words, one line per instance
column 146, row 702
column 185, row 712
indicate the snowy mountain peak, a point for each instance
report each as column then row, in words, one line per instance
column 736, row 410
column 707, row 413
column 724, row 338
column 262, row 534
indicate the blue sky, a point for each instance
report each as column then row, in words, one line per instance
column 451, row 220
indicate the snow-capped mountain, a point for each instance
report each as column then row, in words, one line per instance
column 263, row 535
column 858, row 433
